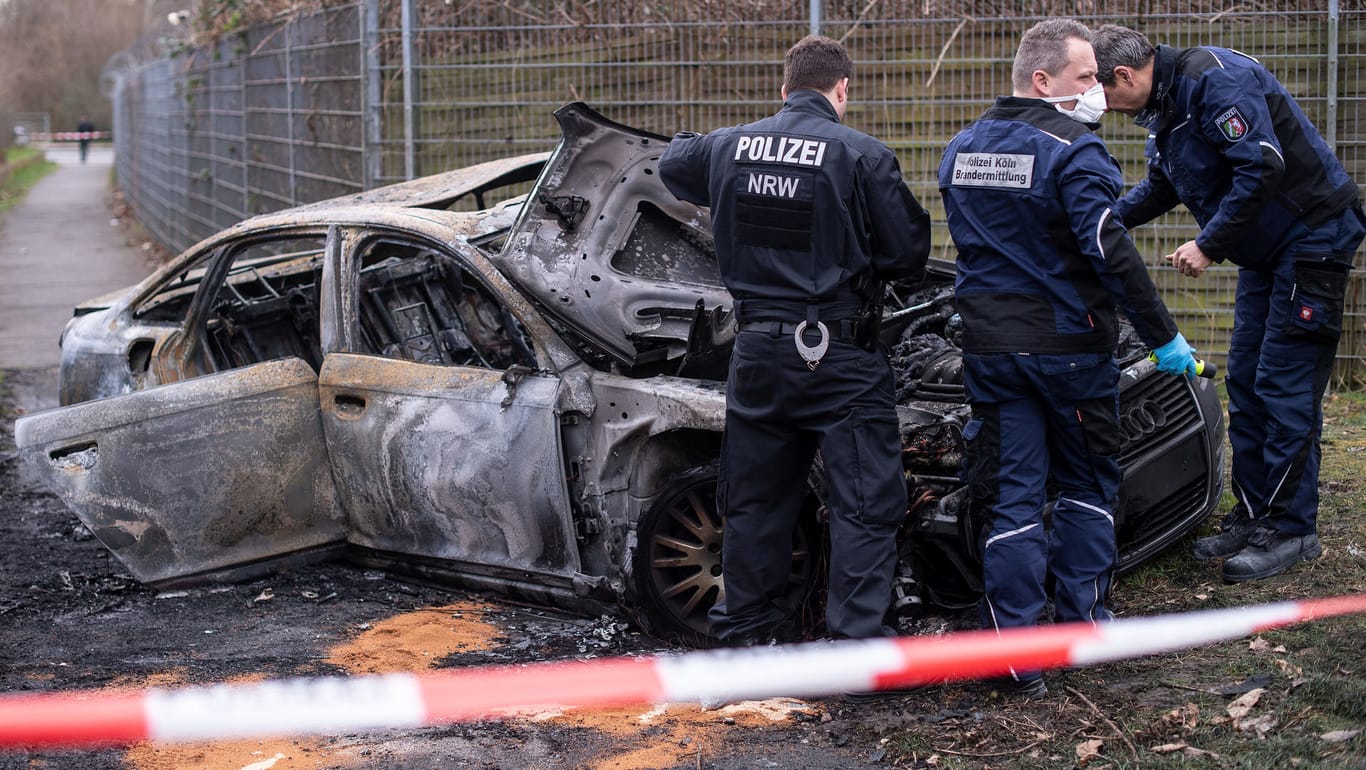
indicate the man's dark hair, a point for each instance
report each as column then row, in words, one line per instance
column 1118, row 46
column 1044, row 47
column 817, row 63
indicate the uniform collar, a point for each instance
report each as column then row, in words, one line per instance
column 1036, row 111
column 1160, row 104
column 1014, row 105
column 814, row 102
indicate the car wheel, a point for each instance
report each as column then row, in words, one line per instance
column 678, row 567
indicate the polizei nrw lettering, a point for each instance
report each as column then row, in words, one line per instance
column 773, row 185
column 780, row 149
column 992, row 169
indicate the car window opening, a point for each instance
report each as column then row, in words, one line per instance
column 419, row 305
column 267, row 308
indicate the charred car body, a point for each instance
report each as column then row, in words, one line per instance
column 526, row 397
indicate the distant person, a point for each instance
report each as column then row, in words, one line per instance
column 1226, row 139
column 85, row 130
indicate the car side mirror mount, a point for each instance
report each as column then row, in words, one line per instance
column 514, row 374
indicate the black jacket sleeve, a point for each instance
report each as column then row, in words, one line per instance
column 1152, row 198
column 899, row 225
column 684, row 167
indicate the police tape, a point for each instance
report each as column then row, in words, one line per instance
column 332, row 705
column 70, row 136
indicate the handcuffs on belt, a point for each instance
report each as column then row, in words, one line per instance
column 860, row 331
column 811, row 354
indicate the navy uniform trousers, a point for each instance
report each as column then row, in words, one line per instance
column 1287, row 321
column 779, row 412
column 1035, row 418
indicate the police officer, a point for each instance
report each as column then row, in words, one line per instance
column 808, row 216
column 1043, row 262
column 1226, row 139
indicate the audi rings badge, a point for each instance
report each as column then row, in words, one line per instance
column 1142, row 419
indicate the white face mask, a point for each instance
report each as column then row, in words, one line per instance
column 1090, row 104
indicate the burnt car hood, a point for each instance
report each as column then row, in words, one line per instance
column 610, row 254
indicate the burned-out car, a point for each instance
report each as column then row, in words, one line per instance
column 509, row 378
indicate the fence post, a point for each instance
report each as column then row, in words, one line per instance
column 1333, row 32
column 815, row 17
column 290, row 27
column 409, row 161
column 243, row 72
column 372, row 148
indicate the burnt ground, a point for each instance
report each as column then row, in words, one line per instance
column 71, row 618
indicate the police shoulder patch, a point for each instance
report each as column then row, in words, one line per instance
column 1232, row 124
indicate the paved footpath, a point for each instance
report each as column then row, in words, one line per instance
column 57, row 248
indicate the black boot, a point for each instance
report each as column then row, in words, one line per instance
column 1029, row 689
column 1236, row 528
column 1032, row 688
column 1270, row 552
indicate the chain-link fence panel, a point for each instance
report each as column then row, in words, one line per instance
column 260, row 121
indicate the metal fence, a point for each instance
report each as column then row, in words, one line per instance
column 375, row 91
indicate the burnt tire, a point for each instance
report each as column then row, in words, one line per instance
column 677, row 563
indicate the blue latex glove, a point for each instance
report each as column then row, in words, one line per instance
column 1176, row 357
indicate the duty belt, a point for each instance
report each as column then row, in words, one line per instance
column 843, row 330
column 846, row 330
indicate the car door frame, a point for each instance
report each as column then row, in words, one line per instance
column 182, row 352
column 422, row 451
column 223, row 476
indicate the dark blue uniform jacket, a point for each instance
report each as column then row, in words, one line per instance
column 803, row 209
column 1043, row 260
column 1226, row 139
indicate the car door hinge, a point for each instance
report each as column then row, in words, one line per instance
column 585, row 527
column 514, row 374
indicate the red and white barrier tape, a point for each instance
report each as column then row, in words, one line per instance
column 71, row 136
column 338, row 705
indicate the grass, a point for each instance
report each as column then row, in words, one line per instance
column 27, row 171
column 1172, row 710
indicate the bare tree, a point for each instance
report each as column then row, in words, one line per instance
column 52, row 52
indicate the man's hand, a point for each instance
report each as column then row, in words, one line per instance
column 1176, row 357
column 1189, row 259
